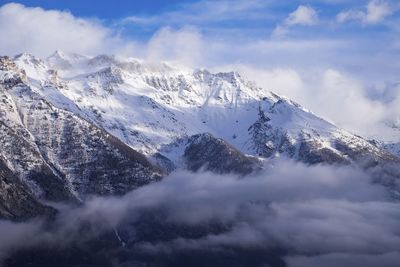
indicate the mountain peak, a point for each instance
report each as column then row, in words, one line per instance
column 58, row 53
column 65, row 55
column 29, row 59
column 149, row 105
column 104, row 108
column 63, row 61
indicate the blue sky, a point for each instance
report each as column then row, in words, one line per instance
column 324, row 54
column 104, row 9
column 259, row 17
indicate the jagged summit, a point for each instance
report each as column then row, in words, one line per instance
column 61, row 55
column 72, row 64
column 148, row 107
column 75, row 125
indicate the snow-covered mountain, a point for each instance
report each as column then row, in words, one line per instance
column 57, row 154
column 149, row 106
column 75, row 125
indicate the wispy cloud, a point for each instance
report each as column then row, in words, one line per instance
column 303, row 15
column 375, row 12
column 205, row 11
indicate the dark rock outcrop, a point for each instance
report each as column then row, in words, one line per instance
column 217, row 155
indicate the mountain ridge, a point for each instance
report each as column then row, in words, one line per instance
column 106, row 124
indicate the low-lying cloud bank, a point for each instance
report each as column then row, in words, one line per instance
column 318, row 215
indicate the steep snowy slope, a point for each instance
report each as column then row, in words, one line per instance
column 151, row 106
column 148, row 106
column 55, row 152
column 71, row 125
column 18, row 147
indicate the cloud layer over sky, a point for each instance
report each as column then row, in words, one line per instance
column 338, row 58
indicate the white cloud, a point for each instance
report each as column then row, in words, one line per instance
column 41, row 32
column 375, row 12
column 303, row 15
column 180, row 46
column 344, row 101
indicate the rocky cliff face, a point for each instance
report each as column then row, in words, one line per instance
column 56, row 154
column 216, row 155
column 73, row 126
column 149, row 106
column 285, row 129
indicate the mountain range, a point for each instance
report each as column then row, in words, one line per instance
column 74, row 126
